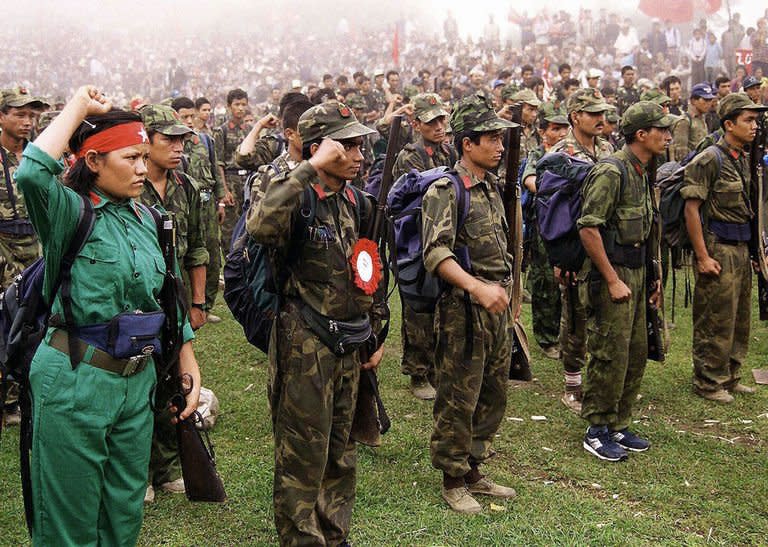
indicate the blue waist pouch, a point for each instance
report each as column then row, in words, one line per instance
column 127, row 335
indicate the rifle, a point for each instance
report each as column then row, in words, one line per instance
column 198, row 466
column 759, row 240
column 520, row 368
column 371, row 419
column 654, row 323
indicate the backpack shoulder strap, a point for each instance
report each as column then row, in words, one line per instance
column 623, row 175
column 8, row 181
column 462, row 198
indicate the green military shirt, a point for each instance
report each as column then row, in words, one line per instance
column 626, row 97
column 529, row 141
column 321, row 275
column 121, row 267
column 265, row 150
column 282, row 164
column 724, row 187
column 227, row 138
column 627, row 212
column 17, row 251
column 530, row 165
column 201, row 164
column 572, row 147
column 182, row 200
column 483, row 234
column 687, row 133
column 422, row 156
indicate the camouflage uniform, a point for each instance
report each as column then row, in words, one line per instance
column 265, row 150
column 201, row 165
column 722, row 304
column 312, row 391
column 182, row 200
column 228, row 137
column 617, row 342
column 417, row 329
column 689, row 130
column 472, row 370
column 573, row 334
column 625, row 97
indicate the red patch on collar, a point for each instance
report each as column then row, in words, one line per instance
column 467, row 182
column 95, row 198
column 429, row 151
column 319, row 191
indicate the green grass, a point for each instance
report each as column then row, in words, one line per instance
column 701, row 482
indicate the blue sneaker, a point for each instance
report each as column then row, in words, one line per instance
column 598, row 442
column 630, row 441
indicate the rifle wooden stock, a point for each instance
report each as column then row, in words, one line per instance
column 371, row 420
column 654, row 322
column 520, row 368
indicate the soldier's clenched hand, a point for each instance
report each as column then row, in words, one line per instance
column 93, row 101
column 619, row 291
column 492, row 297
column 328, row 153
column 708, row 266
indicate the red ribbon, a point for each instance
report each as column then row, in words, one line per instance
column 366, row 246
column 114, row 138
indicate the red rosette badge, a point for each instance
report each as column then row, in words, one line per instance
column 366, row 263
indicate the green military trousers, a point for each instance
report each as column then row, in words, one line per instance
column 471, row 388
column 617, row 342
column 545, row 297
column 232, row 214
column 418, row 335
column 209, row 220
column 312, row 396
column 721, row 318
column 90, row 451
column 573, row 330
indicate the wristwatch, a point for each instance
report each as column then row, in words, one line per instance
column 198, row 306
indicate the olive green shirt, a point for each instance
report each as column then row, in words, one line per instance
column 421, row 156
column 572, row 147
column 227, row 137
column 201, row 164
column 265, row 150
column 687, row 133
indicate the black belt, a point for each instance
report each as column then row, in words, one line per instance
column 724, row 241
column 236, row 171
column 100, row 359
column 629, row 256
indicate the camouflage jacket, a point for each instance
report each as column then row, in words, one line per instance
column 626, row 97
column 422, row 156
column 265, row 150
column 182, row 200
column 321, row 274
column 723, row 186
column 200, row 164
column 687, row 133
column 406, row 132
column 530, row 165
column 572, row 147
column 228, row 137
column 17, row 251
column 529, row 141
column 483, row 234
column 626, row 214
column 282, row 164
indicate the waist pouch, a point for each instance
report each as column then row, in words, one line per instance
column 341, row 337
column 19, row 227
column 127, row 334
column 628, row 256
column 730, row 231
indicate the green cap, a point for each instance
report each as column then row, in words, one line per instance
column 18, row 97
column 163, row 119
column 428, row 106
column 655, row 96
column 587, row 99
column 476, row 113
column 734, row 102
column 548, row 112
column 612, row 117
column 643, row 115
column 332, row 119
column 46, row 118
column 356, row 101
column 508, row 91
column 526, row 96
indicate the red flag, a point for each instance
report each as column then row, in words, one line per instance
column 678, row 11
column 396, row 46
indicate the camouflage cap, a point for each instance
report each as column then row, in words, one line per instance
column 428, row 106
column 586, row 99
column 612, row 117
column 18, row 96
column 163, row 119
column 526, row 96
column 508, row 91
column 476, row 113
column 643, row 115
column 548, row 112
column 736, row 102
column 356, row 101
column 332, row 119
column 655, row 96
column 46, row 118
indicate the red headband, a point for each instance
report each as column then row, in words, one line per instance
column 114, row 138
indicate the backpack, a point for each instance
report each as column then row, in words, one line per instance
column 418, row 288
column 254, row 274
column 558, row 205
column 670, row 180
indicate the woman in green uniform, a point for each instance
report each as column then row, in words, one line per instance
column 92, row 423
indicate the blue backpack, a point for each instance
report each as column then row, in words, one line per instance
column 418, row 288
column 558, row 206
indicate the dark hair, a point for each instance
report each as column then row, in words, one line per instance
column 526, row 68
column 182, row 102
column 730, row 117
column 458, row 138
column 391, row 73
column 534, row 82
column 327, row 77
column 631, row 137
column 288, row 99
column 445, row 69
column 504, row 74
column 320, row 94
column 200, row 101
column 608, row 91
column 667, row 82
column 360, row 78
column 563, row 66
column 305, row 148
column 292, row 112
column 627, row 68
column 341, row 79
column 571, row 82
column 79, row 177
column 720, row 80
column 235, row 95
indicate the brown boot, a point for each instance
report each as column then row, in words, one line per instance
column 719, row 395
column 460, row 500
column 572, row 401
column 487, row 487
column 741, row 388
column 422, row 389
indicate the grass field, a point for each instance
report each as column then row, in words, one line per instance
column 705, row 479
